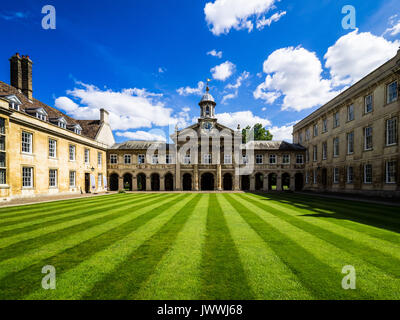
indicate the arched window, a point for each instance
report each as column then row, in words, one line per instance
column 207, row 111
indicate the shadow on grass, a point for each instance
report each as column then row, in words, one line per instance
column 376, row 215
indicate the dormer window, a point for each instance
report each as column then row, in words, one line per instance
column 76, row 128
column 77, row 131
column 62, row 125
column 41, row 114
column 14, row 102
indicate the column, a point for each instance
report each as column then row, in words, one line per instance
column 134, row 183
column 279, row 182
column 177, row 170
column 252, row 183
column 196, row 177
column 265, row 182
column 219, row 177
column 148, row 183
column 292, row 182
column 120, row 183
column 162, row 183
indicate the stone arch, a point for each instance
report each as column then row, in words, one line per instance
column 259, row 181
column 207, row 181
column 155, row 182
column 114, row 182
column 227, row 182
column 285, row 181
column 127, row 181
column 169, row 181
column 141, row 182
column 272, row 181
column 245, row 182
column 187, row 182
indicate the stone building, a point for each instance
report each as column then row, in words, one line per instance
column 352, row 141
column 203, row 157
column 42, row 150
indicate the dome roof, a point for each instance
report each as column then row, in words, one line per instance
column 207, row 97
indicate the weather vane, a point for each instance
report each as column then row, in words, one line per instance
column 208, row 82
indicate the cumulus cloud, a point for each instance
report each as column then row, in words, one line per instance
column 223, row 71
column 215, row 53
column 356, row 54
column 186, row 91
column 223, row 15
column 153, row 135
column 129, row 108
column 284, row 132
column 267, row 22
column 295, row 74
column 14, row 15
column 245, row 75
column 244, row 118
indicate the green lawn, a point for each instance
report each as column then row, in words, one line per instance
column 200, row 246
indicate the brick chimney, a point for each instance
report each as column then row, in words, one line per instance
column 16, row 71
column 104, row 116
column 26, row 66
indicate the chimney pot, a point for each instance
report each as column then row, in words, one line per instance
column 104, row 116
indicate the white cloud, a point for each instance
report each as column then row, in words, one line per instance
column 356, row 54
column 185, row 91
column 161, row 70
column 223, row 15
column 394, row 28
column 215, row 53
column 267, row 22
column 296, row 73
column 282, row 133
column 245, row 75
column 158, row 135
column 223, row 71
column 244, row 118
column 129, row 108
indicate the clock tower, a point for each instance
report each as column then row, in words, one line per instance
column 207, row 105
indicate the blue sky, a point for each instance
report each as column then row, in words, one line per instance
column 132, row 57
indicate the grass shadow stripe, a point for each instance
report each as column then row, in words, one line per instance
column 321, row 279
column 382, row 260
column 19, row 284
column 20, row 247
column 223, row 276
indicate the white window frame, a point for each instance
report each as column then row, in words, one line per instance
column 366, row 148
column 350, row 146
column 113, row 159
column 272, row 159
column 299, row 156
column 99, row 159
column 207, row 158
column 315, row 130
column 286, row 159
column 388, row 179
column 52, row 148
column 154, row 159
column 390, row 99
column 99, row 180
column 365, row 174
column 141, row 159
column 259, row 159
column 72, row 179
column 336, row 175
column 336, row 147
column 366, row 104
column 72, row 152
column 336, row 119
column 53, row 180
column 324, row 125
column 350, row 174
column 87, row 155
column 324, row 150
column 350, row 112
column 27, row 142
column 227, row 159
column 392, row 134
column 27, row 177
column 315, row 153
column 127, row 159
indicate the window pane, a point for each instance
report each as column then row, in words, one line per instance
column 3, row 176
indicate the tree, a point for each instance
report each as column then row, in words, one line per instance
column 259, row 133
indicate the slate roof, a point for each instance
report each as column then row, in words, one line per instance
column 274, row 145
column 137, row 145
column 89, row 127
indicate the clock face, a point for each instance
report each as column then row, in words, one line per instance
column 207, row 125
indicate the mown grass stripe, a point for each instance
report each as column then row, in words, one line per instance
column 20, row 211
column 19, row 244
column 21, row 283
column 45, row 213
column 134, row 271
column 320, row 278
column 177, row 276
column 78, row 282
column 222, row 271
column 268, row 276
column 39, row 223
column 387, row 263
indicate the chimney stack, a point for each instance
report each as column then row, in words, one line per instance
column 16, row 71
column 104, row 116
column 26, row 66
